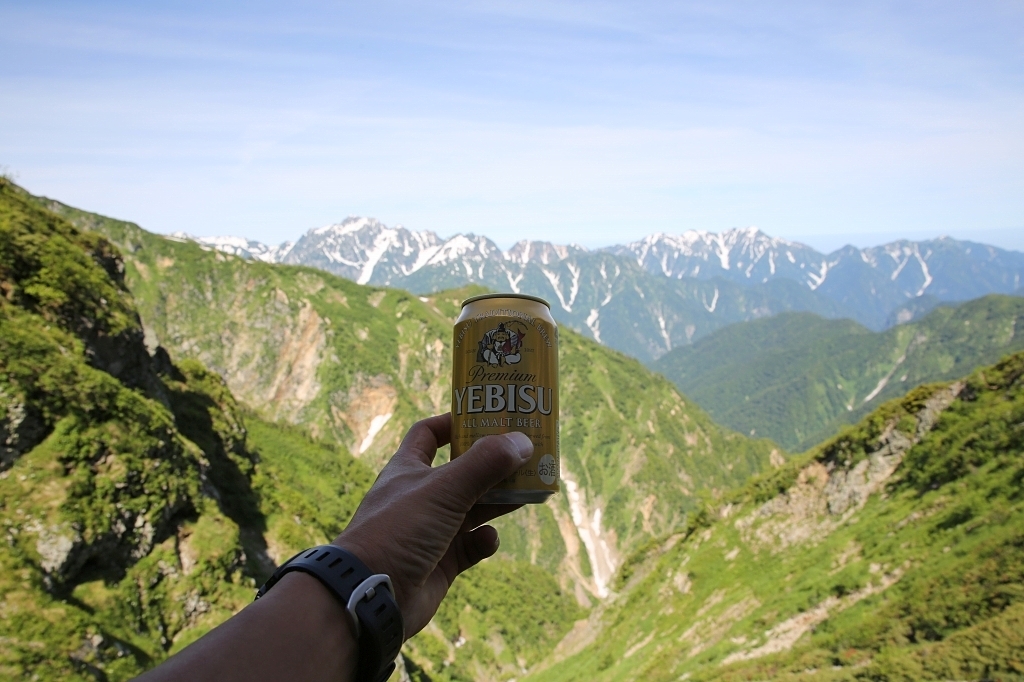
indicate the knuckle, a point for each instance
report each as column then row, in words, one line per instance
column 417, row 430
column 495, row 446
column 452, row 482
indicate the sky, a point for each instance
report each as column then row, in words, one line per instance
column 594, row 123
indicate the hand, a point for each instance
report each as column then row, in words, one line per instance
column 421, row 525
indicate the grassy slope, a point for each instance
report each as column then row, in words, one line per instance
column 391, row 349
column 711, row 589
column 797, row 378
column 298, row 345
column 136, row 522
column 101, row 494
column 810, row 573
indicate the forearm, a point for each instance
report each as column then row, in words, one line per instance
column 418, row 524
column 299, row 630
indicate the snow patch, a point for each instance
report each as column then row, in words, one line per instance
column 898, row 270
column 376, row 424
column 722, row 251
column 555, row 281
column 588, row 526
column 884, row 380
column 664, row 331
column 594, row 324
column 238, row 246
column 373, row 256
column 816, row 280
column 574, row 288
column 924, row 271
column 513, row 282
column 714, row 301
column 422, row 258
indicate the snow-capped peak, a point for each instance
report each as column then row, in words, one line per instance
column 249, row 249
column 748, row 252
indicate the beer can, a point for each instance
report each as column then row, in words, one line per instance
column 505, row 378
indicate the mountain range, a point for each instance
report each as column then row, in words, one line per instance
column 647, row 297
column 176, row 420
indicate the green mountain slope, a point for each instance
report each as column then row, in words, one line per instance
column 99, row 487
column 892, row 552
column 140, row 503
column 354, row 366
column 797, row 378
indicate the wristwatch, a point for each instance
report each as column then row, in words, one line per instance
column 369, row 600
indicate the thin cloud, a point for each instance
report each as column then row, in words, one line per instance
column 608, row 120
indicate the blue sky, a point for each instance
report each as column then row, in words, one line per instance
column 591, row 122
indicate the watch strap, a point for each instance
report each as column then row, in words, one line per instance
column 368, row 599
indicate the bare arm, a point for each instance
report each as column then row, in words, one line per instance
column 419, row 524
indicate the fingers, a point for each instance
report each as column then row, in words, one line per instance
column 479, row 544
column 467, row 550
column 425, row 437
column 482, row 513
column 486, row 463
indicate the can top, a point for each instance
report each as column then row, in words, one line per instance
column 485, row 296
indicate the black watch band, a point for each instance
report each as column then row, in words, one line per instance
column 368, row 599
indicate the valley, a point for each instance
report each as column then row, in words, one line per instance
column 892, row 552
column 177, row 420
column 356, row 365
column 798, row 379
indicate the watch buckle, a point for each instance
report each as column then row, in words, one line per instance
column 366, row 590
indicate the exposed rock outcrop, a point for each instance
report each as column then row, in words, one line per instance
column 22, row 427
column 829, row 492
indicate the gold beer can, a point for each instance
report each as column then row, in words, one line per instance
column 505, row 378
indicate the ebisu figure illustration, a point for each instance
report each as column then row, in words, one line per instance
column 500, row 346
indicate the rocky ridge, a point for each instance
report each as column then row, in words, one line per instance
column 122, row 476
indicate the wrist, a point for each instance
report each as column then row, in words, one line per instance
column 317, row 626
column 365, row 552
column 365, row 597
column 310, row 596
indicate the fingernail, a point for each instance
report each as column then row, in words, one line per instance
column 522, row 443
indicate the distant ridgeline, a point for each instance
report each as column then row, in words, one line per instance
column 797, row 378
column 663, row 292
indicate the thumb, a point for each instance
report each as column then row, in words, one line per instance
column 485, row 464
